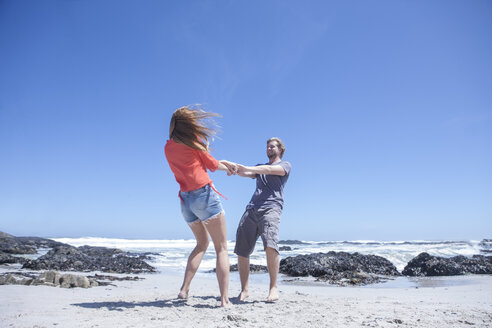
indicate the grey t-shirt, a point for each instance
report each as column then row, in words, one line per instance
column 270, row 189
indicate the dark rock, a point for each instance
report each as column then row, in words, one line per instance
column 68, row 258
column 428, row 265
column 353, row 278
column 253, row 268
column 38, row 242
column 5, row 235
column 87, row 258
column 281, row 248
column 339, row 267
column 9, row 259
column 293, row 242
column 105, row 280
column 24, row 245
column 99, row 251
column 13, row 246
column 143, row 256
column 113, row 278
column 486, row 246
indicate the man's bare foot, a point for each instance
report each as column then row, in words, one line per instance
column 243, row 295
column 273, row 295
column 183, row 295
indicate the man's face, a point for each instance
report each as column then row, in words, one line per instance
column 273, row 150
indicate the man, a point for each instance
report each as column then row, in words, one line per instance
column 262, row 215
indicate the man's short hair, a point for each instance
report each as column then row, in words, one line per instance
column 280, row 145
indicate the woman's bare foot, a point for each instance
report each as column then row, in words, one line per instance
column 273, row 295
column 183, row 295
column 226, row 303
column 243, row 295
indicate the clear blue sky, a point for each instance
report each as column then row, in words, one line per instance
column 385, row 108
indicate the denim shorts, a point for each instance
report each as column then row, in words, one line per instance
column 200, row 204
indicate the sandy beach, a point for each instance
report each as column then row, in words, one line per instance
column 462, row 301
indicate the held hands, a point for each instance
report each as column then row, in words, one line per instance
column 235, row 168
column 231, row 167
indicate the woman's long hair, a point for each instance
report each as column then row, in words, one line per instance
column 192, row 127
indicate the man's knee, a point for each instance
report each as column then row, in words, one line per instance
column 272, row 250
column 244, row 252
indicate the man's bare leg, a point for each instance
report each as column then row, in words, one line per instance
column 243, row 267
column 273, row 264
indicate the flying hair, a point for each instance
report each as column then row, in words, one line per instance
column 193, row 127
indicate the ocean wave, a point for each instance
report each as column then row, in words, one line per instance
column 128, row 243
column 173, row 254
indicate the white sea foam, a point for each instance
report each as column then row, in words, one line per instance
column 173, row 254
column 128, row 243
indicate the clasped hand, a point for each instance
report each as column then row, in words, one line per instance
column 234, row 168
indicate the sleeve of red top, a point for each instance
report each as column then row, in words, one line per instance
column 210, row 162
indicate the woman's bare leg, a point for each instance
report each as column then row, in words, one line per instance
column 195, row 258
column 217, row 228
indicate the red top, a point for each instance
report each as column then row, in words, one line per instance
column 189, row 165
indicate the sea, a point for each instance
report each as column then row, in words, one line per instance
column 170, row 256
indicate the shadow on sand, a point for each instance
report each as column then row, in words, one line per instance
column 122, row 305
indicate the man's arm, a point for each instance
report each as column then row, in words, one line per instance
column 252, row 171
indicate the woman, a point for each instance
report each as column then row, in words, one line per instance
column 187, row 155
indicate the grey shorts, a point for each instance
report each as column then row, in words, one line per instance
column 255, row 223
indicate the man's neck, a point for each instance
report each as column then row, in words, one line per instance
column 274, row 160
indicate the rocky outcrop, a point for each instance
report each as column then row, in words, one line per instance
column 105, row 280
column 24, row 245
column 5, row 235
column 51, row 278
column 281, row 248
column 16, row 279
column 428, row 265
column 9, row 259
column 87, row 258
column 11, row 245
column 485, row 246
column 99, row 251
column 72, row 280
column 253, row 268
column 38, row 242
column 68, row 258
column 340, row 267
column 48, row 278
column 293, row 242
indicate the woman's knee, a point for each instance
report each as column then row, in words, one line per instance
column 221, row 247
column 202, row 245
